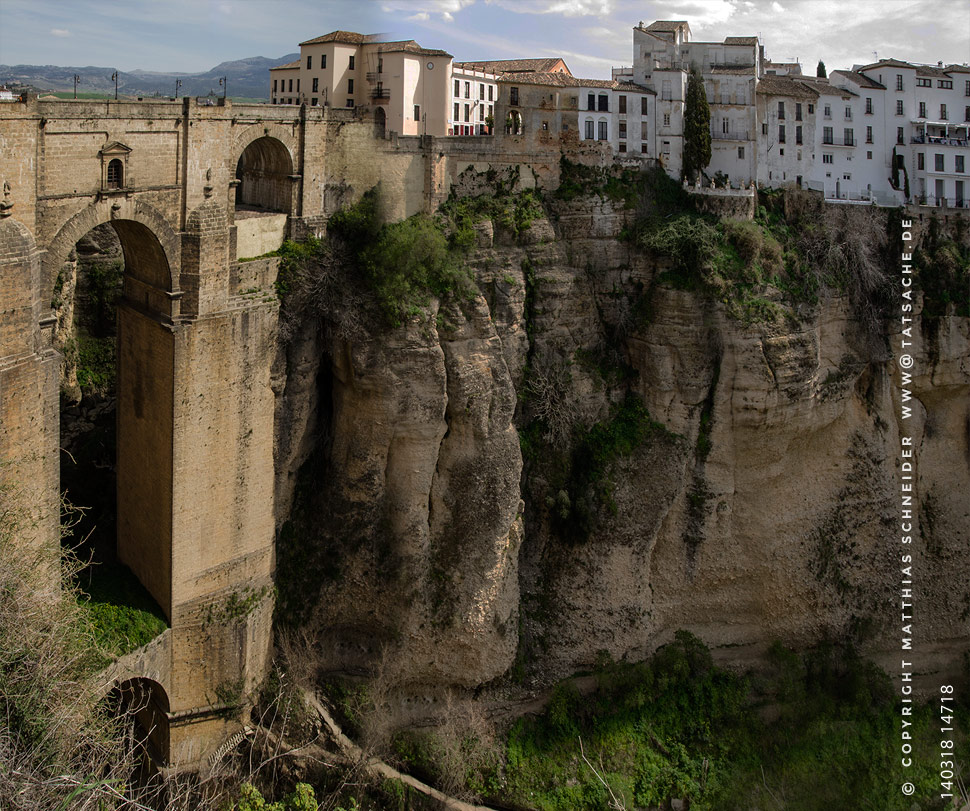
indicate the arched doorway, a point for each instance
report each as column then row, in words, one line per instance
column 144, row 707
column 380, row 123
column 114, row 328
column 263, row 172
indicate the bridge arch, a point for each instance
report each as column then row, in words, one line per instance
column 151, row 248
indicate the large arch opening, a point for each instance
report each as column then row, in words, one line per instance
column 263, row 174
column 116, row 418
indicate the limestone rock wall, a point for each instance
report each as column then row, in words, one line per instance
column 767, row 507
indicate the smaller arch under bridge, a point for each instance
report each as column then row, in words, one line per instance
column 196, row 339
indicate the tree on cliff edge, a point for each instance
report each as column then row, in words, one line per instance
column 697, row 128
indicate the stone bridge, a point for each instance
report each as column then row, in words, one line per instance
column 179, row 183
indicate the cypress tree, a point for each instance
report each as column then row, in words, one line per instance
column 820, row 70
column 697, row 127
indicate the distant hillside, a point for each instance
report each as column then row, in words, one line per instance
column 247, row 77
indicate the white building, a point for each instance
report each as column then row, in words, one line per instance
column 927, row 116
column 474, row 92
column 786, row 141
column 620, row 113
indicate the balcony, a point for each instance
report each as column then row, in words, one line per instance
column 731, row 135
column 939, row 141
column 839, row 142
column 380, row 95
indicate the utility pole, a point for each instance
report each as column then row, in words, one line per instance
column 114, row 77
column 76, row 80
column 224, row 84
column 178, row 84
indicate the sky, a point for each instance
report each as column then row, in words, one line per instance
column 591, row 35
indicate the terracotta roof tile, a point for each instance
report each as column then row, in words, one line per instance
column 543, row 64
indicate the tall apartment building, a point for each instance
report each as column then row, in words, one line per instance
column 474, row 91
column 663, row 54
column 926, row 120
column 407, row 85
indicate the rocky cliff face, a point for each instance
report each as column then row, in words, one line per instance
column 759, row 500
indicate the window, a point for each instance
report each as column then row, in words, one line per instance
column 666, row 119
column 591, row 101
column 643, row 148
column 924, row 82
column 417, row 112
column 868, row 135
column 665, row 93
column 869, row 155
column 545, row 126
column 468, row 90
column 899, row 106
column 827, row 111
column 781, row 110
column 920, row 161
column 868, row 106
column 323, row 61
column 741, row 153
column 604, row 103
column 313, row 102
column 846, row 176
column 725, row 125
column 350, row 102
column 827, row 135
column 899, row 136
column 939, row 163
column 942, row 112
column 316, row 85
column 643, row 105
column 781, row 133
column 959, row 163
column 899, row 81
column 291, row 85
column 966, row 88
column 309, row 63
column 623, row 147
column 456, row 113
column 457, row 88
column 589, row 130
column 602, row 131
column 297, row 85
column 826, row 158
column 811, row 109
column 622, row 129
column 966, row 113
column 350, row 86
column 922, row 109
column 116, row 174
column 351, row 65
column 481, row 92
column 490, row 109
column 798, row 134
column 798, row 112
column 467, row 111
column 274, row 101
column 490, row 89
column 945, row 84
column 274, row 85
column 622, row 102
column 513, row 95
column 848, row 113
column 764, row 128
column 380, row 64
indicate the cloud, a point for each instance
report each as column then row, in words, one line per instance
column 421, row 10
column 60, row 32
column 777, row 7
column 567, row 8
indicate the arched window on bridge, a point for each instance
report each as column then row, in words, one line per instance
column 116, row 174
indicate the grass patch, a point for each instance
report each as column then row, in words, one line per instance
column 122, row 615
column 810, row 731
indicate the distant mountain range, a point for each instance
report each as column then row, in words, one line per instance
column 247, row 77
